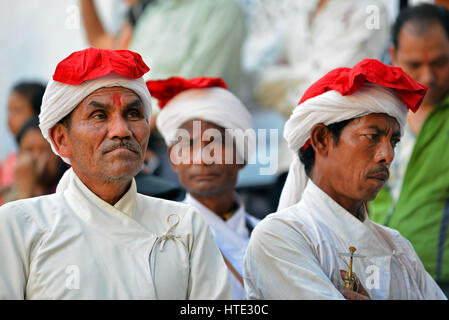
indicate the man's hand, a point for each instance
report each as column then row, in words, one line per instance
column 359, row 292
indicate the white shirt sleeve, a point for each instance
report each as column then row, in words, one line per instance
column 19, row 234
column 281, row 264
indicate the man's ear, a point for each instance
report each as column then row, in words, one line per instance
column 320, row 138
column 393, row 53
column 59, row 137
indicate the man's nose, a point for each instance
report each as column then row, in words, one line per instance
column 384, row 153
column 119, row 128
column 427, row 77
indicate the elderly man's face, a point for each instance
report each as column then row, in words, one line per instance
column 203, row 179
column 108, row 134
column 356, row 168
column 424, row 55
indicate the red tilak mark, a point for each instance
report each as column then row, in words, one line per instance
column 117, row 99
column 426, row 58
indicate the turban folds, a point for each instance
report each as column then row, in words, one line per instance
column 85, row 71
column 343, row 94
column 200, row 98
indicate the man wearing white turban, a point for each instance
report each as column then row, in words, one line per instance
column 215, row 122
column 321, row 243
column 97, row 238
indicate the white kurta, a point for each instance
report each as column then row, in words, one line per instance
column 232, row 237
column 74, row 245
column 296, row 254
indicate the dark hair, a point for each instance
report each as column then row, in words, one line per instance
column 67, row 121
column 424, row 15
column 33, row 91
column 31, row 123
column 307, row 156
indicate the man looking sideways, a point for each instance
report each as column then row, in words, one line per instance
column 344, row 132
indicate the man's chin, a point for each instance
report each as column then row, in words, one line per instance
column 206, row 192
column 121, row 173
column 371, row 195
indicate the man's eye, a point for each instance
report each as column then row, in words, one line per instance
column 134, row 114
column 440, row 63
column 372, row 136
column 98, row 115
column 395, row 142
column 414, row 66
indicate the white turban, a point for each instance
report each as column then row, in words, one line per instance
column 60, row 99
column 214, row 104
column 327, row 108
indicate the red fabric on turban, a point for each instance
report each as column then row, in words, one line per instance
column 349, row 80
column 164, row 90
column 95, row 63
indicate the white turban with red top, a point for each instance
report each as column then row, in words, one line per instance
column 85, row 71
column 79, row 75
column 205, row 99
column 343, row 94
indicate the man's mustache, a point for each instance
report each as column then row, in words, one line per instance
column 381, row 170
column 112, row 145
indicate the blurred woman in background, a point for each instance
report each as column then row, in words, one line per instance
column 37, row 169
column 24, row 102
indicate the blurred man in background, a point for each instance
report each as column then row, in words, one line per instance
column 210, row 159
column 415, row 200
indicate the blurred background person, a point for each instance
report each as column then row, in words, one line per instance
column 37, row 169
column 24, row 102
column 96, row 33
column 415, row 200
column 215, row 147
column 444, row 3
column 187, row 38
column 325, row 35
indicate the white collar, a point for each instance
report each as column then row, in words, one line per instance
column 236, row 223
column 338, row 219
column 125, row 205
